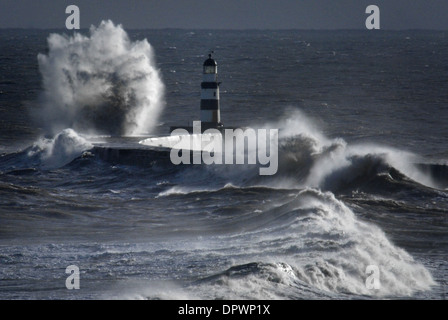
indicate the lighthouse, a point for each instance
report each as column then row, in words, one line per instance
column 210, row 117
column 210, row 113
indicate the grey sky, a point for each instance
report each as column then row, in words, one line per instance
column 227, row 14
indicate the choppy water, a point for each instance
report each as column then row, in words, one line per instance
column 362, row 177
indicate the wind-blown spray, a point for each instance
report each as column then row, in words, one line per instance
column 102, row 83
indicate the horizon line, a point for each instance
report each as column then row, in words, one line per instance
column 226, row 29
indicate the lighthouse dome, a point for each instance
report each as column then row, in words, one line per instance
column 210, row 66
column 210, row 61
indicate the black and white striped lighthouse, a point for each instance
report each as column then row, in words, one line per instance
column 210, row 113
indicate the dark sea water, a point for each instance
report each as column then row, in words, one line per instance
column 362, row 177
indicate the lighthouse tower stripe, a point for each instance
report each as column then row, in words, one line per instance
column 210, row 93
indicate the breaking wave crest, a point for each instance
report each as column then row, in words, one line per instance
column 313, row 245
column 60, row 150
column 307, row 158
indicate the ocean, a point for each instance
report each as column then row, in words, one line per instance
column 362, row 180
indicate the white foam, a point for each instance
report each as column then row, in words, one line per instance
column 325, row 156
column 100, row 82
column 62, row 149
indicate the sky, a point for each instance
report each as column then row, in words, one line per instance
column 227, row 14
